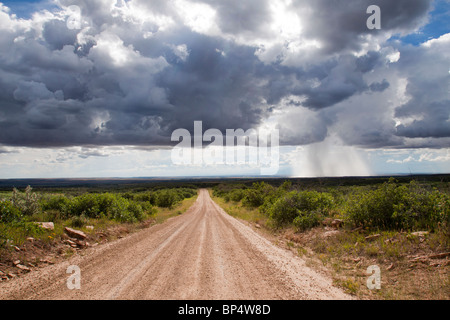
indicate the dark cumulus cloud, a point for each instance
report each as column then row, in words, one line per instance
column 428, row 107
column 379, row 86
column 134, row 71
column 340, row 24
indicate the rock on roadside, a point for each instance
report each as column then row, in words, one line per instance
column 46, row 225
column 419, row 234
column 22, row 267
column 75, row 233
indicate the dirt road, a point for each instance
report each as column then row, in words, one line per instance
column 201, row 254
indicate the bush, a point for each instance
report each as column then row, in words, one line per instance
column 307, row 220
column 118, row 210
column 236, row 195
column 144, row 197
column 60, row 204
column 185, row 193
column 166, row 198
column 224, row 189
column 258, row 194
column 285, row 209
column 136, row 211
column 27, row 201
column 106, row 205
column 307, row 206
column 14, row 225
column 88, row 205
column 431, row 208
column 147, row 207
column 395, row 207
column 78, row 221
column 9, row 212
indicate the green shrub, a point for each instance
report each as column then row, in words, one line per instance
column 78, row 221
column 118, row 210
column 223, row 190
column 306, row 220
column 307, row 205
column 9, row 212
column 147, row 207
column 186, row 193
column 86, row 204
column 166, row 198
column 56, row 203
column 27, row 201
column 394, row 207
column 136, row 211
column 258, row 194
column 253, row 198
column 315, row 201
column 236, row 195
column 285, row 209
column 430, row 208
column 145, row 197
column 106, row 205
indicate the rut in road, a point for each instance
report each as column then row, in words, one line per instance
column 201, row 254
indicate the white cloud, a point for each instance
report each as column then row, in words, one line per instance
column 181, row 51
column 200, row 17
column 436, row 156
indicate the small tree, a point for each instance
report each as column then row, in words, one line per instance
column 27, row 202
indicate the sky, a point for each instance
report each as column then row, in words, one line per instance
column 97, row 88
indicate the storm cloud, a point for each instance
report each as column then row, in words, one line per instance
column 134, row 71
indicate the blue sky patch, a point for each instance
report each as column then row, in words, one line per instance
column 438, row 25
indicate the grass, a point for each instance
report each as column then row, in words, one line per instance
column 237, row 210
column 350, row 285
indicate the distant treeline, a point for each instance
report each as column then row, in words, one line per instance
column 141, row 184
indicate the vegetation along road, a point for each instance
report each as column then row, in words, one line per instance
column 203, row 253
